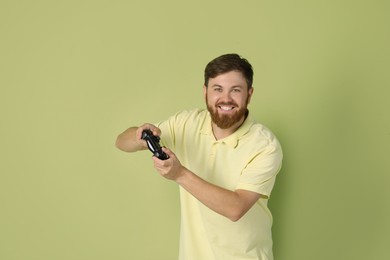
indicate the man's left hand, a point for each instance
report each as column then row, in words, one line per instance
column 171, row 168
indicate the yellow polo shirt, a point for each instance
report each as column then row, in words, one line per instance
column 248, row 159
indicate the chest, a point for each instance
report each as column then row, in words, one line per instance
column 215, row 161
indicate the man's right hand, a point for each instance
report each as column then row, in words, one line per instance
column 130, row 140
column 155, row 130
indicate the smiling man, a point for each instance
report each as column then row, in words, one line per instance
column 225, row 165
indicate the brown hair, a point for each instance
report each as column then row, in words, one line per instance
column 227, row 63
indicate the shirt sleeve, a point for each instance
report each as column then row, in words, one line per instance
column 167, row 137
column 172, row 129
column 260, row 173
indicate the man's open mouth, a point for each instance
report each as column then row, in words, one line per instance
column 226, row 108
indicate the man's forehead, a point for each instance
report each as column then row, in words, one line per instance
column 228, row 82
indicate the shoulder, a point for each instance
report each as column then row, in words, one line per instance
column 189, row 116
column 196, row 112
column 262, row 137
column 263, row 132
column 184, row 125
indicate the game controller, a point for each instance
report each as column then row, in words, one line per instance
column 153, row 143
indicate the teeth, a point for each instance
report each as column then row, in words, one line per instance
column 226, row 108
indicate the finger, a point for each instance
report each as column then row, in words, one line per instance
column 139, row 133
column 144, row 127
column 155, row 130
column 157, row 162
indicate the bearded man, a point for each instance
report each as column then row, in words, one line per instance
column 224, row 163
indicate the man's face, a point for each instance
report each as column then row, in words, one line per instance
column 227, row 97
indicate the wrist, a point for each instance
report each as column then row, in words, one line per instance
column 181, row 176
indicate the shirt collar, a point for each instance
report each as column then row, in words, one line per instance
column 231, row 140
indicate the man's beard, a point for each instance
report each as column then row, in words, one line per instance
column 226, row 121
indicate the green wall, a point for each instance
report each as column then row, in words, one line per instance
column 74, row 74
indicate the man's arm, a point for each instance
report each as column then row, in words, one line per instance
column 130, row 140
column 231, row 204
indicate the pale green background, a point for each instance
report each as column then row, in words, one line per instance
column 74, row 74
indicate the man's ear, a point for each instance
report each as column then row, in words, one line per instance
column 204, row 91
column 250, row 93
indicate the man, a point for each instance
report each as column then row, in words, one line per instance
column 225, row 165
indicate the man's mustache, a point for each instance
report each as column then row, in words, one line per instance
column 227, row 104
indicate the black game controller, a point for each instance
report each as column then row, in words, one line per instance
column 153, row 143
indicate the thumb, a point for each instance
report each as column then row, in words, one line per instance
column 168, row 151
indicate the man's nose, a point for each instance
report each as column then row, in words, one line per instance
column 226, row 96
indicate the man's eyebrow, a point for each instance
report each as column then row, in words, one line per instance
column 219, row 86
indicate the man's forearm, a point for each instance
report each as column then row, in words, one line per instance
column 128, row 141
column 231, row 204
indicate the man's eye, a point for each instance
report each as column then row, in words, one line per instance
column 236, row 90
column 218, row 89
